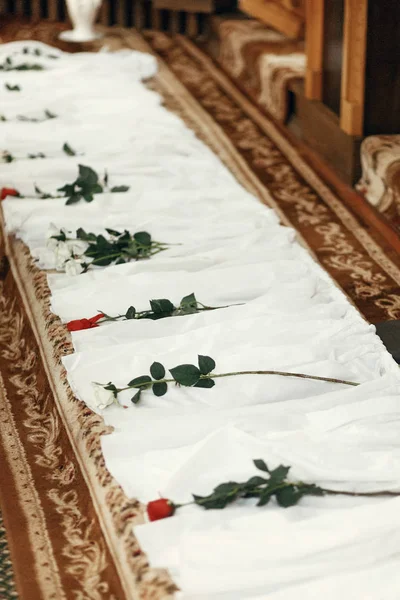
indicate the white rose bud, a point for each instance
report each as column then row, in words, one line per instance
column 53, row 230
column 63, row 254
column 101, row 397
column 77, row 247
column 52, row 244
column 73, row 267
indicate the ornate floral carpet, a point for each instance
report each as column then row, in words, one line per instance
column 262, row 61
column 69, row 525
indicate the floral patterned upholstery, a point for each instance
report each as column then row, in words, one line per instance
column 380, row 182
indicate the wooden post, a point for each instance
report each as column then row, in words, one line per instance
column 155, row 19
column 53, row 10
column 121, row 13
column 19, row 7
column 174, row 22
column 139, row 16
column 105, row 13
column 192, row 28
column 353, row 73
column 36, row 12
column 314, row 48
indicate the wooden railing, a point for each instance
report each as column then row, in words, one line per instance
column 177, row 16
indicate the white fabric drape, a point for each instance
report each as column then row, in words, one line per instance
column 227, row 249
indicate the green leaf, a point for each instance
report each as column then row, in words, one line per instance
column 102, row 242
column 68, row 189
column 82, row 235
column 159, row 389
column 68, row 150
column 189, row 301
column 157, row 371
column 255, row 481
column 186, row 375
column 97, row 189
column 288, row 496
column 161, row 306
column 260, row 464
column 206, row 364
column 102, row 261
column 130, row 313
column 87, row 177
column 143, row 238
column 278, row 475
column 88, row 197
column 265, row 497
column 226, row 488
column 120, row 188
column 113, row 232
column 135, row 399
column 143, row 380
column 112, row 388
column 205, row 383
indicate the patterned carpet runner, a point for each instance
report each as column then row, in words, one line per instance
column 68, row 518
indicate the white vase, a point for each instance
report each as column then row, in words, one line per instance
column 83, row 15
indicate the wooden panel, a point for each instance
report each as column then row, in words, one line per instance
column 288, row 22
column 19, row 7
column 104, row 16
column 139, row 19
column 196, row 6
column 314, row 48
column 53, row 10
column 382, row 102
column 333, row 53
column 192, row 26
column 353, row 73
column 156, row 20
column 121, row 12
column 319, row 128
column 36, row 12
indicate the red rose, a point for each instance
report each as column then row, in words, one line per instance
column 160, row 509
column 8, row 192
column 80, row 324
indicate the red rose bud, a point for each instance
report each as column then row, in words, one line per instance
column 8, row 192
column 80, row 324
column 160, row 509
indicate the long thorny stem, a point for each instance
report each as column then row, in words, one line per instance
column 142, row 314
column 235, row 373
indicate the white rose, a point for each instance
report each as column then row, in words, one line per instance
column 101, row 397
column 53, row 230
column 52, row 244
column 73, row 267
column 63, row 254
column 77, row 247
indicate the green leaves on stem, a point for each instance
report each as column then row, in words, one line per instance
column 189, row 375
column 47, row 115
column 162, row 308
column 264, row 488
column 12, row 88
column 37, row 52
column 87, row 184
column 8, row 65
column 186, row 375
column 120, row 247
column 6, row 157
column 68, row 150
